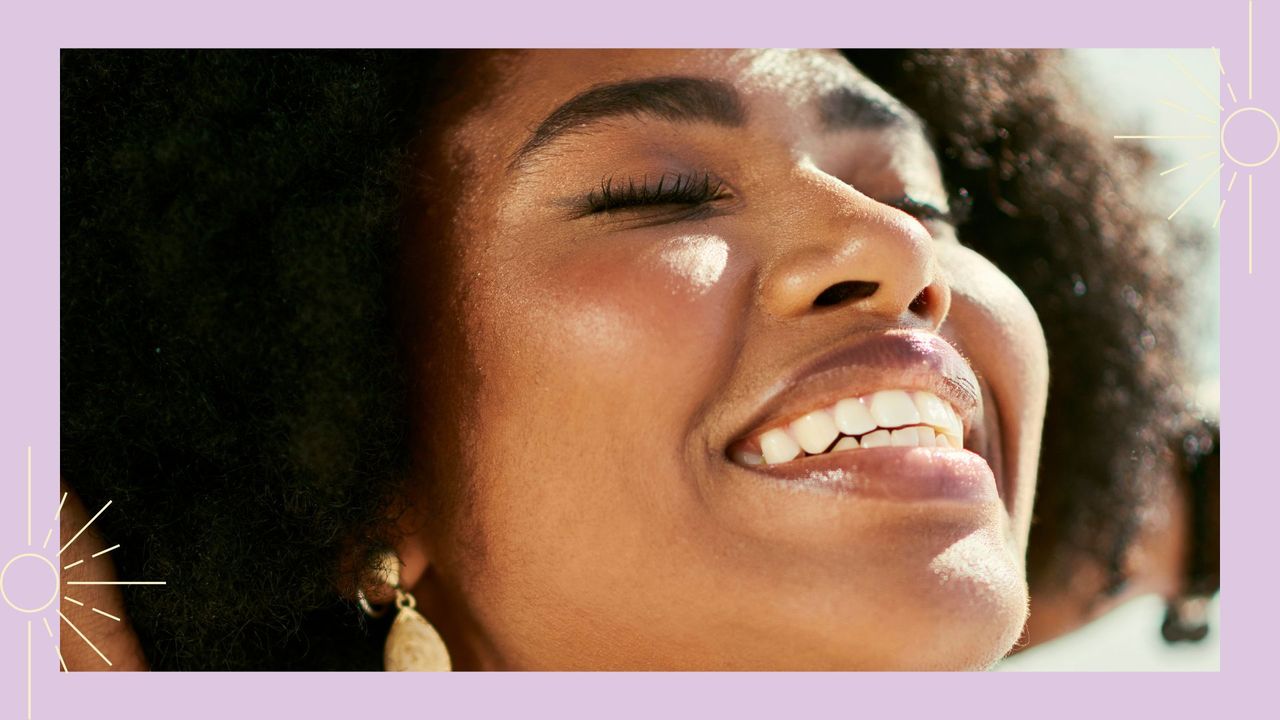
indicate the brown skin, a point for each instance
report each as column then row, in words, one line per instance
column 115, row 639
column 601, row 525
column 578, row 510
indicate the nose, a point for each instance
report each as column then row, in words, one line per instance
column 842, row 249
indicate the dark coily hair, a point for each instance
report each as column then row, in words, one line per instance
column 231, row 376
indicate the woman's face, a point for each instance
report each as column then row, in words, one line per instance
column 679, row 279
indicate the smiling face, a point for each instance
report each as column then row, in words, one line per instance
column 677, row 275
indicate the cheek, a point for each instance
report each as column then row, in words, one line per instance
column 593, row 366
column 996, row 327
column 695, row 263
column 608, row 324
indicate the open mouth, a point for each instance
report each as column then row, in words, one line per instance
column 899, row 414
column 886, row 418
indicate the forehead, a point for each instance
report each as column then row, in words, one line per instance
column 788, row 75
column 527, row 86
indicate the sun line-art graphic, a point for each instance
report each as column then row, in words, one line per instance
column 51, row 563
column 1222, row 128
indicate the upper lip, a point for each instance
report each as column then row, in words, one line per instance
column 894, row 360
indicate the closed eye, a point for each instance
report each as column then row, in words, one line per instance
column 667, row 189
column 922, row 211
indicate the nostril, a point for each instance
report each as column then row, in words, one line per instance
column 844, row 291
column 920, row 303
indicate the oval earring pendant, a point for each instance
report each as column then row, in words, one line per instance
column 413, row 645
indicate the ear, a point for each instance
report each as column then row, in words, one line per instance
column 412, row 547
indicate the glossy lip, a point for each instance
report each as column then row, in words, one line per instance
column 896, row 360
column 891, row 473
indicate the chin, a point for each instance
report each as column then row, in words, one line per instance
column 939, row 599
column 973, row 638
column 859, row 583
column 916, row 633
column 966, row 614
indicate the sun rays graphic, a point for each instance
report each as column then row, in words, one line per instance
column 1221, row 132
column 57, row 586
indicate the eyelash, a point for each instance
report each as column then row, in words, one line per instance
column 669, row 189
column 696, row 190
column 922, row 211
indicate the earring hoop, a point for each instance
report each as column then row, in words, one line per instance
column 369, row 608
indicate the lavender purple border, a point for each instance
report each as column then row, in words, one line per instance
column 29, row 293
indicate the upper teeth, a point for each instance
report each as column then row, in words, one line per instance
column 887, row 417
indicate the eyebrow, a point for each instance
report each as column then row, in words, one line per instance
column 691, row 99
column 675, row 99
column 847, row 109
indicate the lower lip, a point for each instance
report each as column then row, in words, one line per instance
column 891, row 473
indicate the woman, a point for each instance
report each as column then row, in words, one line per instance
column 634, row 359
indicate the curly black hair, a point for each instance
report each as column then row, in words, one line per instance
column 232, row 378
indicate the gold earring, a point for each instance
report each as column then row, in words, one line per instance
column 413, row 645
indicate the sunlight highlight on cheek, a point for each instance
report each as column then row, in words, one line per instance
column 697, row 261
